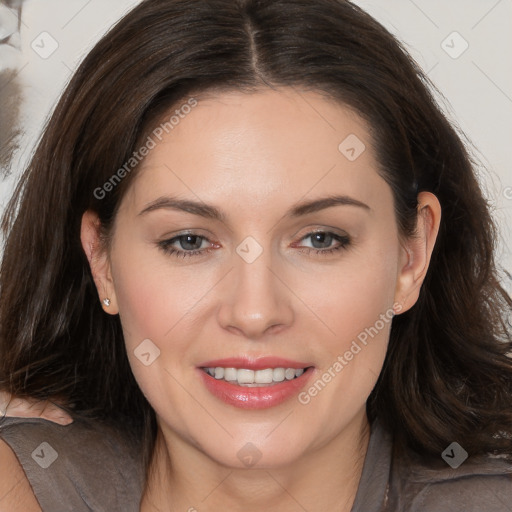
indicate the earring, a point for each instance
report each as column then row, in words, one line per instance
column 106, row 302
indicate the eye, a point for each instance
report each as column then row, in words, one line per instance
column 322, row 242
column 188, row 244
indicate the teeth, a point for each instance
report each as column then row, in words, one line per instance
column 278, row 374
column 230, row 374
column 245, row 377
column 289, row 373
column 264, row 376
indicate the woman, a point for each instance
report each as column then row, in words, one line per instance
column 256, row 245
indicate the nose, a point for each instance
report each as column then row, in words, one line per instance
column 255, row 299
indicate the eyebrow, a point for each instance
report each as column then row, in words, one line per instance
column 211, row 212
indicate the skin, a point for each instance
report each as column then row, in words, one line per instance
column 254, row 156
column 29, row 408
column 16, row 495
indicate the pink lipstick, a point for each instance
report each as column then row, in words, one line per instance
column 255, row 383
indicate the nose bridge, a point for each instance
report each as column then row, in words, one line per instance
column 256, row 299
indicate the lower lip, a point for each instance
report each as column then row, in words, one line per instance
column 255, row 397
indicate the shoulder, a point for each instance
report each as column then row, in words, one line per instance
column 469, row 484
column 71, row 463
column 16, row 494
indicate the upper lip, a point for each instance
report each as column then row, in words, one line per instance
column 259, row 363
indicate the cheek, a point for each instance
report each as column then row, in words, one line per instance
column 153, row 295
column 160, row 302
column 138, row 299
column 153, row 303
column 356, row 293
column 357, row 307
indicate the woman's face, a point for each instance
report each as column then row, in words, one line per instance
column 258, row 230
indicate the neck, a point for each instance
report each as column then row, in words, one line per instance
column 183, row 478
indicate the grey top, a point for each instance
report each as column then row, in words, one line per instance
column 78, row 467
column 398, row 481
column 81, row 468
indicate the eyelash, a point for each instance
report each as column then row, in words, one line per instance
column 166, row 245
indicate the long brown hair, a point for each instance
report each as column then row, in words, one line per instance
column 447, row 374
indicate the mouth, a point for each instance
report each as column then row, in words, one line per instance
column 254, row 384
column 254, row 378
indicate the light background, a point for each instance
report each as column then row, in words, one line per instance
column 476, row 85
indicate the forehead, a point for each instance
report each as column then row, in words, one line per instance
column 270, row 144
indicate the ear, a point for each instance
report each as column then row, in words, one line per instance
column 99, row 261
column 417, row 251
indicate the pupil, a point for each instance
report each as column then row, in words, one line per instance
column 322, row 238
column 186, row 241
